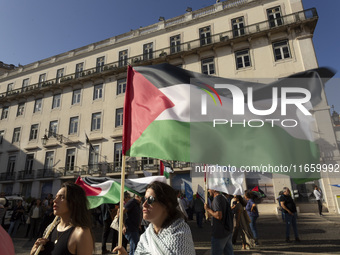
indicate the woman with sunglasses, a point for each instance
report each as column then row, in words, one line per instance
column 167, row 232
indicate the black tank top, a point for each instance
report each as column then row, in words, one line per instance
column 59, row 248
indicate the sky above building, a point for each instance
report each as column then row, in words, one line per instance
column 37, row 29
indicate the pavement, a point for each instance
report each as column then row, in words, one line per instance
column 318, row 234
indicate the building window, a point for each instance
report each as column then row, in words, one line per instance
column 208, row 66
column 25, row 84
column 148, row 51
column 2, row 133
column 275, row 17
column 34, row 132
column 205, row 35
column 56, row 101
column 37, row 105
column 121, row 86
column 94, row 156
column 9, row 87
column 242, row 59
column 53, row 128
column 4, row 113
column 123, row 56
column 98, row 91
column 238, row 26
column 175, row 44
column 21, row 108
column 147, row 162
column 100, row 64
column 79, row 70
column 76, row 96
column 11, row 165
column 73, row 126
column 16, row 135
column 70, row 159
column 49, row 158
column 96, row 121
column 281, row 50
column 42, row 79
column 118, row 155
column 119, row 117
column 60, row 73
column 29, row 163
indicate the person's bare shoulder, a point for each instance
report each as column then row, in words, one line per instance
column 81, row 241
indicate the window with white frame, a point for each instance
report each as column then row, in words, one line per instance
column 118, row 155
column 16, row 135
column 37, row 105
column 281, row 50
column 42, row 79
column 97, row 91
column 2, row 133
column 49, row 158
column 100, row 64
column 79, row 69
column 275, row 17
column 11, row 165
column 56, row 101
column 10, row 87
column 96, row 121
column 53, row 128
column 148, row 51
column 175, row 44
column 60, row 73
column 29, row 163
column 25, row 83
column 121, row 86
column 76, row 96
column 119, row 117
column 21, row 109
column 4, row 113
column 94, row 156
column 242, row 58
column 70, row 159
column 205, row 35
column 123, row 56
column 238, row 26
column 73, row 129
column 34, row 132
column 208, row 66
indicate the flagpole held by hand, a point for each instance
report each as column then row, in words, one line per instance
column 121, row 204
column 48, row 232
column 206, row 193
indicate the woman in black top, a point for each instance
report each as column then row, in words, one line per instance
column 72, row 235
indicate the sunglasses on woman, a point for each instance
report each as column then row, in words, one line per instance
column 150, row 200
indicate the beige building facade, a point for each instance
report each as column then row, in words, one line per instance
column 50, row 107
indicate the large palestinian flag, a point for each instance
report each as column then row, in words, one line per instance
column 102, row 190
column 169, row 113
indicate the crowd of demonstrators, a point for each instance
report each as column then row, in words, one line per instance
column 289, row 209
column 35, row 215
column 241, row 224
column 318, row 196
column 167, row 232
column 72, row 234
column 16, row 218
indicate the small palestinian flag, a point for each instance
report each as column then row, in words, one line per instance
column 102, row 190
column 165, row 169
column 170, row 113
column 258, row 194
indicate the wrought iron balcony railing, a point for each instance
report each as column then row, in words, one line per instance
column 161, row 54
column 48, row 173
column 9, row 176
column 24, row 175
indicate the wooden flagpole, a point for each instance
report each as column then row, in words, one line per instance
column 206, row 193
column 121, row 204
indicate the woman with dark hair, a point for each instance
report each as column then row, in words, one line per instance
column 253, row 213
column 167, row 232
column 72, row 234
column 242, row 224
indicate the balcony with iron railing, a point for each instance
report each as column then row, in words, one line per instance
column 163, row 55
column 25, row 175
column 71, row 171
column 8, row 176
column 48, row 173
